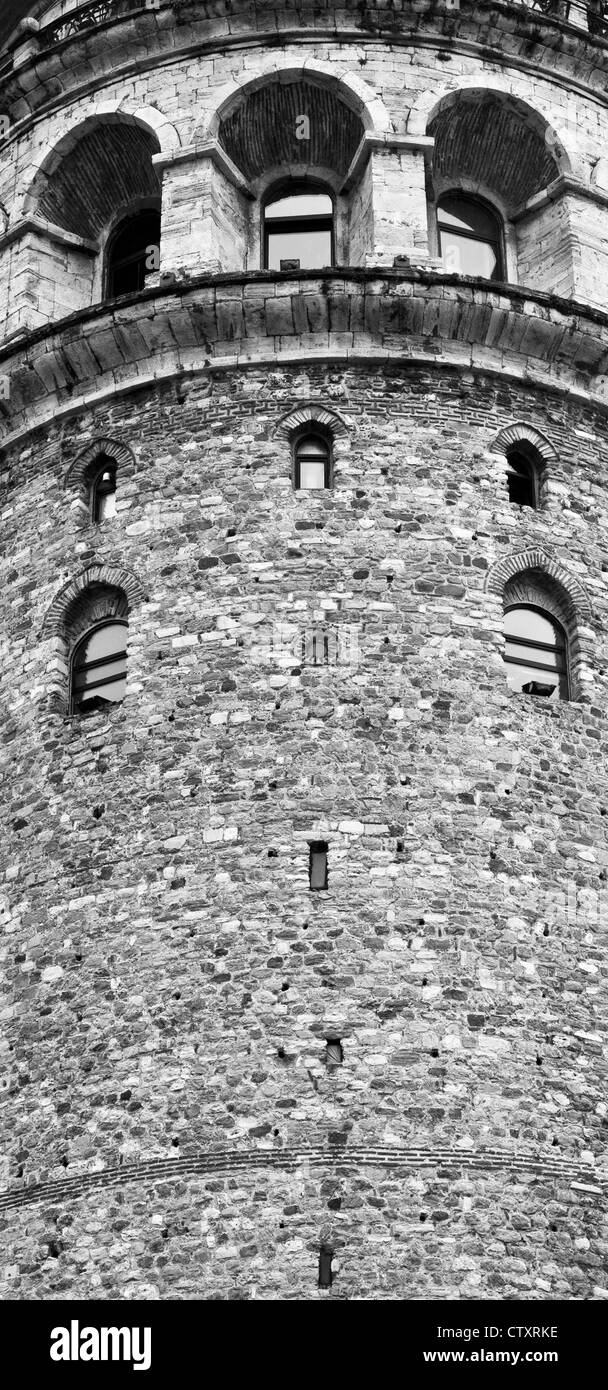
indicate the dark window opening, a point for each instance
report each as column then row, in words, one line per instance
column 334, row 1054
column 315, row 648
column 521, row 480
column 103, row 489
column 312, row 462
column 317, row 869
column 299, row 228
column 470, row 237
column 536, row 653
column 133, row 253
column 325, row 1270
column 99, row 667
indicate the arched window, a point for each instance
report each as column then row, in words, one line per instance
column 99, row 667
column 470, row 237
column 311, row 461
column 103, row 488
column 299, row 228
column 133, row 251
column 536, row 652
column 522, row 479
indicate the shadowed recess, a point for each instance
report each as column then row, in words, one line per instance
column 262, row 131
column 108, row 168
column 489, row 141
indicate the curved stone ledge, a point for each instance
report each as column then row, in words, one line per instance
column 178, row 30
column 241, row 320
column 581, row 1177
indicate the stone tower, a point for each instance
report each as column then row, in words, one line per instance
column 304, row 462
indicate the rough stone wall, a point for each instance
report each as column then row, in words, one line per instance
column 171, row 980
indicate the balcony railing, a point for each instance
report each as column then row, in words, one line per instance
column 87, row 17
column 591, row 15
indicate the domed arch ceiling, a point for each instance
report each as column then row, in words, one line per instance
column 260, row 133
column 489, row 142
column 109, row 167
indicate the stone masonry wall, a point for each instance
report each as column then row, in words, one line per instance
column 170, row 980
column 402, row 78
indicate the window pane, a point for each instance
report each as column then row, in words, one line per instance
column 104, row 641
column 535, row 663
column 318, row 868
column 300, row 205
column 312, row 473
column 106, row 506
column 311, row 248
column 467, row 256
column 312, row 447
column 468, row 215
column 518, row 676
column 106, row 673
column 526, row 622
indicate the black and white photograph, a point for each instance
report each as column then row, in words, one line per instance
column 304, row 678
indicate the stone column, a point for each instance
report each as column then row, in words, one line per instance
column 205, row 212
column 388, row 211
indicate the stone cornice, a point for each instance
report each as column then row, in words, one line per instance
column 49, row 230
column 208, row 149
column 437, row 25
column 243, row 320
column 392, row 144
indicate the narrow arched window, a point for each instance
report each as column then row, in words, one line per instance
column 99, row 667
column 103, row 489
column 536, row 652
column 312, row 462
column 522, row 480
column 133, row 252
column 470, row 237
column 299, row 228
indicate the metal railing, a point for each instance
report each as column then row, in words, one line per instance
column 88, row 17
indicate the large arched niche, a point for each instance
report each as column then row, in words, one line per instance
column 490, row 144
column 102, row 165
column 99, row 174
column 262, row 129
column 293, row 124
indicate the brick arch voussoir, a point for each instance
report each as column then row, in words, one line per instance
column 431, row 103
column 314, row 415
column 347, row 85
column 521, row 433
column 122, row 455
column 112, row 577
column 568, row 586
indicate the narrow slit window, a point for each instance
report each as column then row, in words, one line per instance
column 325, row 1269
column 536, row 653
column 521, row 480
column 312, row 462
column 133, row 252
column 334, row 1054
column 99, row 668
column 318, row 866
column 103, row 491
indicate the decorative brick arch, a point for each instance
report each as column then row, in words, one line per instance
column 314, row 415
column 133, row 139
column 429, row 105
column 77, row 474
column 521, row 433
column 569, row 588
column 347, row 85
column 62, row 618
